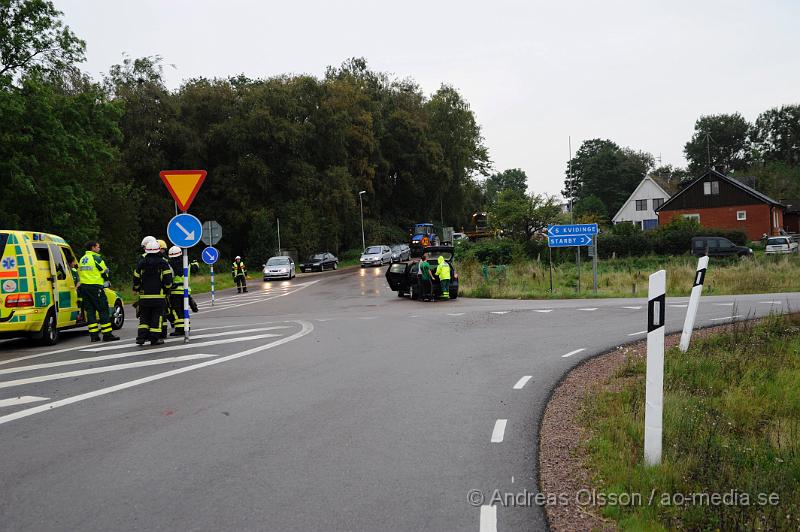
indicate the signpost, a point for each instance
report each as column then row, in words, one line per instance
column 184, row 230
column 574, row 235
column 210, row 255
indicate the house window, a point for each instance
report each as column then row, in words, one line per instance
column 741, row 215
column 641, row 204
column 695, row 217
column 711, row 188
column 657, row 203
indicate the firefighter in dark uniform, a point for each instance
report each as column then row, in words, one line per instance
column 239, row 273
column 93, row 274
column 152, row 279
column 167, row 307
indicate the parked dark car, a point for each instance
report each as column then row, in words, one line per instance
column 400, row 252
column 717, row 246
column 320, row 261
column 403, row 277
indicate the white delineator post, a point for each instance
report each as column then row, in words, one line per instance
column 654, row 391
column 694, row 302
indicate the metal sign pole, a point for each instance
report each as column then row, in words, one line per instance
column 185, row 296
column 212, row 285
column 550, row 252
column 594, row 262
column 654, row 386
column 578, row 261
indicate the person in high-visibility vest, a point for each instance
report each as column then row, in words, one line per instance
column 152, row 279
column 443, row 273
column 176, row 291
column 93, row 274
column 239, row 273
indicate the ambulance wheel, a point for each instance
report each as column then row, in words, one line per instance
column 49, row 333
column 118, row 316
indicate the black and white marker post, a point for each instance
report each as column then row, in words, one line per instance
column 694, row 302
column 654, row 391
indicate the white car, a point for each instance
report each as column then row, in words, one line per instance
column 376, row 256
column 279, row 268
column 780, row 244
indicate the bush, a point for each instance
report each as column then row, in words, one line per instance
column 491, row 251
column 627, row 240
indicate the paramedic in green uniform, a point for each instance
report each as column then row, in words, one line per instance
column 93, row 273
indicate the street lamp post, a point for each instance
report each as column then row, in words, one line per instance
column 361, row 204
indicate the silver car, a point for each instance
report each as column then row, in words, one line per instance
column 279, row 268
column 376, row 256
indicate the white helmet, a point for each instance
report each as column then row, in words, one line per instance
column 238, row 257
column 175, row 251
column 147, row 239
column 152, row 247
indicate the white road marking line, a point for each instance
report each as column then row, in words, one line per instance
column 769, row 303
column 222, row 327
column 368, row 318
column 500, row 312
column 678, row 306
column 101, row 369
column 724, row 304
column 455, row 313
column 544, row 311
column 726, row 318
column 21, row 400
column 299, row 287
column 176, row 347
column 499, row 430
column 633, row 308
column 180, row 338
column 488, row 518
column 306, row 329
column 522, row 382
column 637, row 333
column 588, row 309
column 138, row 352
column 18, row 359
column 573, row 352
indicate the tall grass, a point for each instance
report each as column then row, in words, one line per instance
column 627, row 277
column 731, row 426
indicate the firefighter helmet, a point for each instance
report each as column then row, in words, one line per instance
column 152, row 247
column 175, row 251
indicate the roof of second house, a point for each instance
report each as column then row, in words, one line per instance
column 738, row 184
column 639, row 186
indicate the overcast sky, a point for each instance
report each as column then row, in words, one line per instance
column 636, row 72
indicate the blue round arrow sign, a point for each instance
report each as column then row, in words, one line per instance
column 184, row 230
column 210, row 255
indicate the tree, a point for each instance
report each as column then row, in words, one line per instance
column 591, row 205
column 522, row 215
column 719, row 141
column 601, row 168
column 776, row 135
column 32, row 36
column 513, row 179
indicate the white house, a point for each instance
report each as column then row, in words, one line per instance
column 640, row 207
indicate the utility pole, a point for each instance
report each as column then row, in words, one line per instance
column 279, row 236
column 571, row 216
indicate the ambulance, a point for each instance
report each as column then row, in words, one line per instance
column 37, row 292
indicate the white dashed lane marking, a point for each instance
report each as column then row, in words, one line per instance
column 724, row 304
column 637, row 333
column 488, row 518
column 455, row 314
column 500, row 311
column 633, row 308
column 727, row 318
column 499, row 430
column 522, row 382
column 544, row 311
column 573, row 352
column 588, row 309
column 678, row 306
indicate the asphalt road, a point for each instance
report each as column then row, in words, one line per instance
column 324, row 403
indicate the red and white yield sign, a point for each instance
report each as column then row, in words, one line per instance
column 183, row 185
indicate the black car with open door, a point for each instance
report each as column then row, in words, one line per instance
column 403, row 277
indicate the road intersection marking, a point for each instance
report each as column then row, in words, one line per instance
column 24, row 399
column 180, row 339
column 573, row 352
column 499, row 430
column 522, row 382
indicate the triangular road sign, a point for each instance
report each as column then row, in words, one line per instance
column 183, row 185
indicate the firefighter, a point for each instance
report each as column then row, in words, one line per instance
column 92, row 275
column 145, row 240
column 239, row 272
column 176, row 291
column 443, row 273
column 162, row 246
column 152, row 279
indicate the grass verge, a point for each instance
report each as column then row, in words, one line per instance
column 731, row 427
column 627, row 277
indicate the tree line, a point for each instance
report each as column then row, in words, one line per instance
column 81, row 158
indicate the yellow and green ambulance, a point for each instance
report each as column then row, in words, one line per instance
column 37, row 289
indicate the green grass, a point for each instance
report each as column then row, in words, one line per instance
column 731, row 422
column 628, row 277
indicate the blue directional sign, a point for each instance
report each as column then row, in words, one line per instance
column 210, row 255
column 568, row 241
column 572, row 229
column 184, row 230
